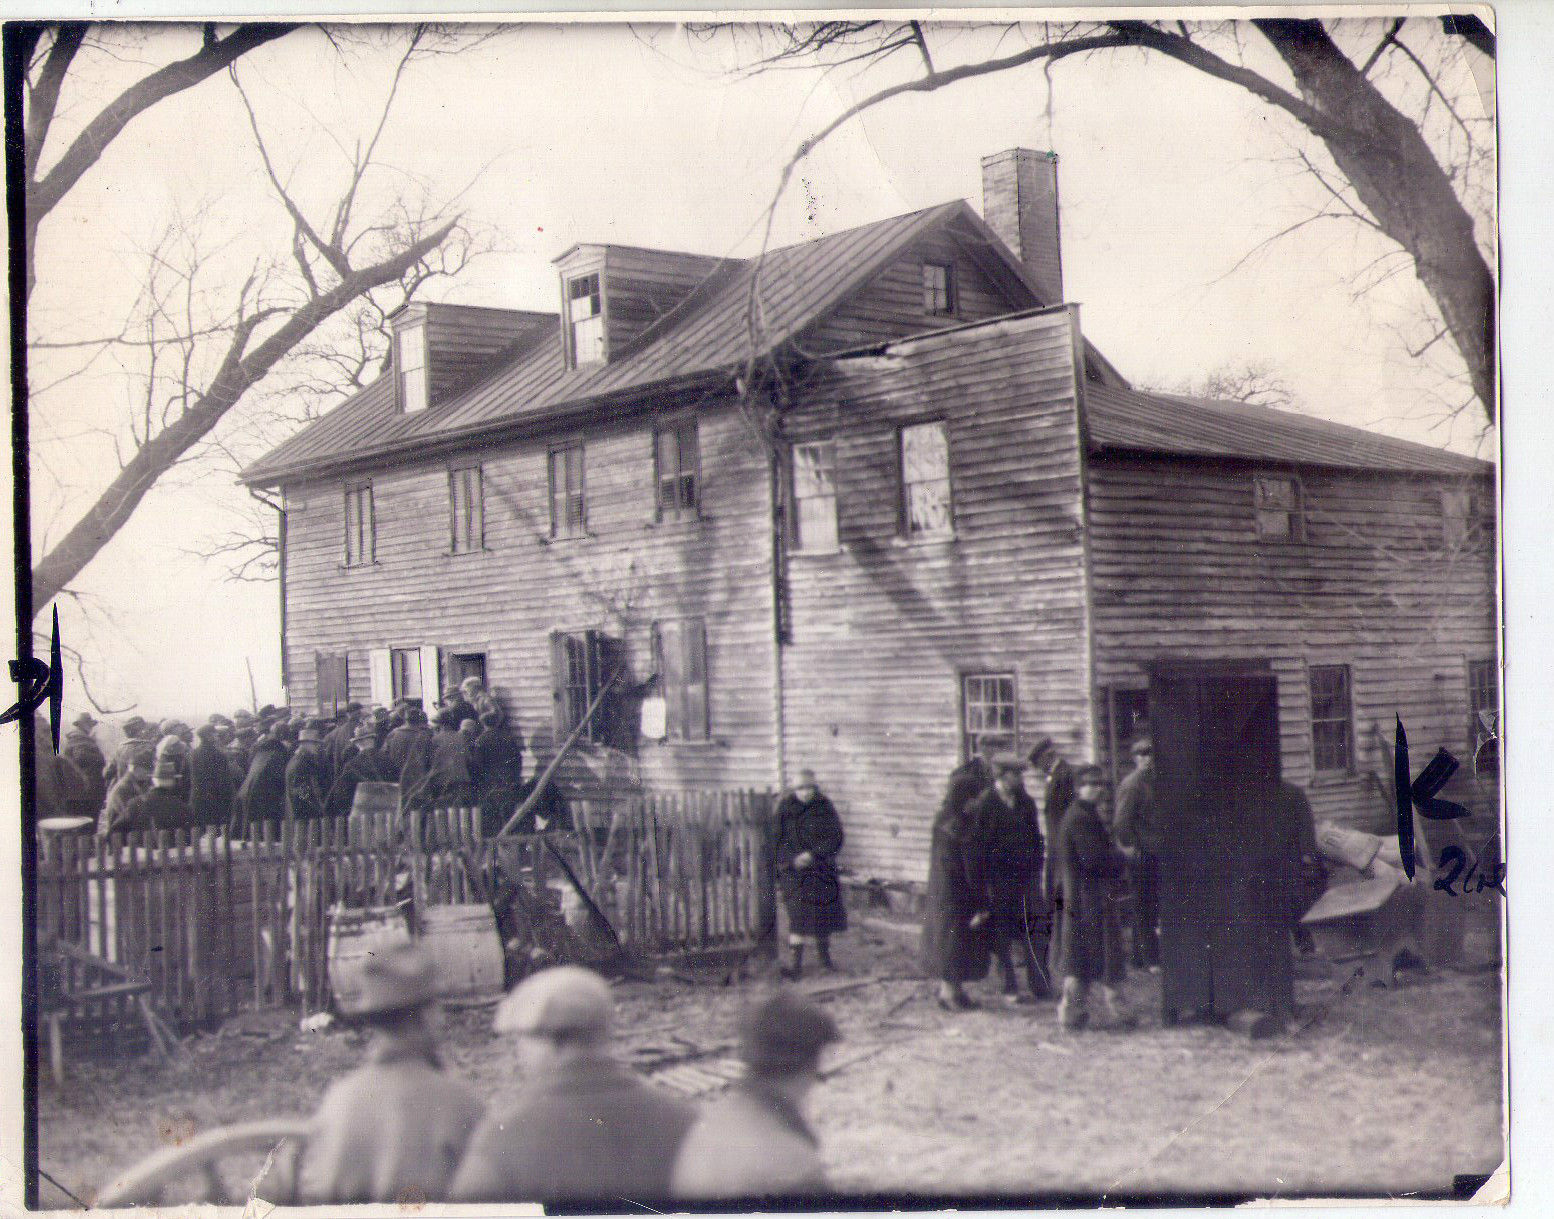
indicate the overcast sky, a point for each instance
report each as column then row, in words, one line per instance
column 1169, row 182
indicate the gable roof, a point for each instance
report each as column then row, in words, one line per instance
column 1122, row 418
column 705, row 338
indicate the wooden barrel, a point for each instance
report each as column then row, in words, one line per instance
column 464, row 942
column 353, row 936
column 375, row 798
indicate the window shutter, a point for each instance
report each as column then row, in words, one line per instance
column 380, row 677
column 672, row 675
column 558, row 686
column 693, row 638
column 431, row 679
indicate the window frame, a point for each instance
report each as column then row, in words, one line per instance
column 595, row 297
column 1295, row 514
column 366, row 552
column 474, row 532
column 397, row 670
column 560, row 528
column 1347, row 719
column 903, row 502
column 332, row 675
column 1458, row 530
column 678, row 510
column 687, row 720
column 931, row 292
column 969, row 737
column 416, row 331
column 795, row 499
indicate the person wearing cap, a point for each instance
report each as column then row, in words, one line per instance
column 1089, row 936
column 397, row 1126
column 136, row 730
column 496, row 766
column 261, row 798
column 582, row 1127
column 161, row 807
column 754, row 1141
column 117, row 812
column 305, row 786
column 211, row 786
column 408, row 750
column 809, row 837
column 364, row 764
column 449, row 784
column 339, row 741
column 175, row 749
column 83, row 752
column 1137, row 831
column 1006, row 821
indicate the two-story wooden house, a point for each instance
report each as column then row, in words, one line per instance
column 855, row 504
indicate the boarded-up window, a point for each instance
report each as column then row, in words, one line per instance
column 925, row 480
column 568, row 511
column 987, row 708
column 466, row 499
column 582, row 665
column 361, row 529
column 1332, row 718
column 333, row 686
column 405, row 665
column 814, row 497
column 680, row 658
column 1483, row 699
column 1456, row 516
column 938, row 289
column 676, row 470
column 1276, row 500
column 585, row 316
column 410, row 345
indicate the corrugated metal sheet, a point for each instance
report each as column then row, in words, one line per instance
column 710, row 331
column 1166, row 423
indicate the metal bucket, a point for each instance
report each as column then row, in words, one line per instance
column 354, row 935
column 464, row 942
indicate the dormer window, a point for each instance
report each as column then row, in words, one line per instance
column 585, row 318
column 410, row 344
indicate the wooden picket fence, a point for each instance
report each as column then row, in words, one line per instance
column 218, row 924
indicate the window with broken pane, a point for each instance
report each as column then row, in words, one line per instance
column 925, row 480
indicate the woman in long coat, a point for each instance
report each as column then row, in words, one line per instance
column 809, row 837
column 1089, row 932
column 956, row 946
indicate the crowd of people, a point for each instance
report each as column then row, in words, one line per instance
column 237, row 773
column 581, row 1125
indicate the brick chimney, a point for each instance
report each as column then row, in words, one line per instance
column 1020, row 204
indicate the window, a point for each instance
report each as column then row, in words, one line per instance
column 938, row 289
column 585, row 318
column 581, row 665
column 1458, row 513
column 411, row 351
column 1332, row 718
column 333, row 686
column 405, row 666
column 462, row 665
column 466, row 502
column 680, row 659
column 676, row 463
column 1483, row 699
column 361, row 529
column 1277, row 502
column 925, row 480
column 987, row 708
column 814, row 497
column 568, row 514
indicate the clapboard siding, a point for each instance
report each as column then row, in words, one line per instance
column 464, row 342
column 505, row 600
column 891, row 304
column 1178, row 571
column 882, row 630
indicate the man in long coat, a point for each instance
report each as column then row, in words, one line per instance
column 338, row 741
column 262, row 796
column 1007, row 824
column 160, row 807
column 117, row 811
column 61, row 790
column 136, row 729
column 408, row 754
column 1138, row 832
column 583, row 1128
column 81, row 748
column 1089, row 934
column 211, row 786
column 365, row 765
column 305, row 777
column 809, row 838
column 450, row 785
column 396, row 1127
column 496, row 766
column 955, row 944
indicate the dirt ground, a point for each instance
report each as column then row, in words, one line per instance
column 1379, row 1092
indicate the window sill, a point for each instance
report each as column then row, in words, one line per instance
column 923, row 539
column 682, row 743
column 687, row 518
column 357, row 566
column 815, row 554
column 561, row 539
column 465, row 554
column 1333, row 778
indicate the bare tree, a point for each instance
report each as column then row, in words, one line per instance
column 204, row 333
column 1393, row 148
column 1256, row 382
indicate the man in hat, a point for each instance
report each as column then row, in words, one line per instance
column 161, row 807
column 172, row 746
column 262, row 796
column 305, row 785
column 116, row 817
column 1138, row 832
column 454, row 703
column 449, row 785
column 363, row 765
column 496, row 766
column 136, row 729
column 583, row 1128
column 809, row 838
column 1089, row 937
column 1006, row 820
column 754, row 1141
column 338, row 741
column 211, row 786
column 409, row 747
column 83, row 752
column 397, row 1126
column 1056, row 777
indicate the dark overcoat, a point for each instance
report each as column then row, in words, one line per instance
column 450, row 783
column 262, row 794
column 1089, row 932
column 1012, row 865
column 336, row 748
column 811, row 895
column 496, row 768
column 118, row 810
column 83, row 752
column 408, row 753
column 305, row 785
column 952, row 949
column 1060, row 794
column 158, row 808
column 360, row 767
column 211, row 786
